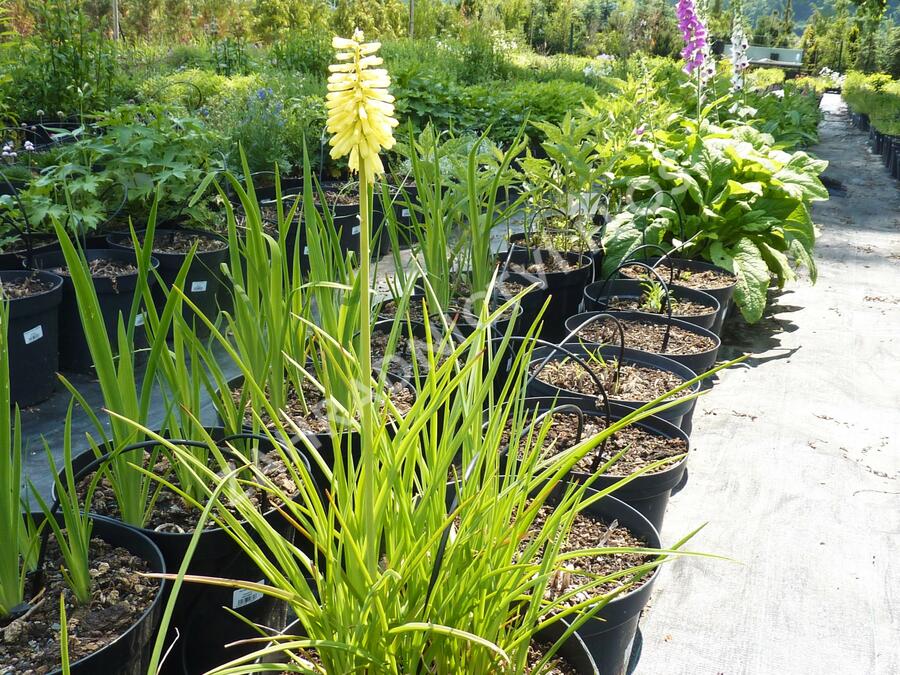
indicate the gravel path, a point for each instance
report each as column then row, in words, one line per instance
column 796, row 465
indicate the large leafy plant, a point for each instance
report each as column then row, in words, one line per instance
column 738, row 202
column 135, row 152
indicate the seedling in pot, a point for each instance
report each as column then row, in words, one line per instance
column 654, row 296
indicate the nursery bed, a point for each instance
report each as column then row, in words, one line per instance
column 795, row 463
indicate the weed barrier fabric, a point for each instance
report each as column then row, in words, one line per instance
column 795, row 462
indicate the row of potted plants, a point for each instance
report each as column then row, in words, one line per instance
column 465, row 473
column 268, row 308
column 874, row 101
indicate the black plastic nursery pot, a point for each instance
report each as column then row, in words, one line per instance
column 895, row 158
column 464, row 322
column 17, row 258
column 596, row 252
column 609, row 635
column 203, row 280
column 564, row 288
column 599, row 294
column 649, row 493
column 698, row 363
column 723, row 294
column 33, row 339
column 114, row 294
column 200, row 626
column 130, row 653
column 675, row 414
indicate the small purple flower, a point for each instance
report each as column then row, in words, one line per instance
column 29, row 146
column 640, row 130
column 261, row 94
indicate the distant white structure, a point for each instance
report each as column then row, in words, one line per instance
column 779, row 57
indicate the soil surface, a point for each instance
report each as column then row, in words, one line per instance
column 680, row 308
column 344, row 197
column 104, row 268
column 25, row 287
column 557, row 665
column 636, row 383
column 587, row 533
column 176, row 241
column 648, row 337
column 410, row 353
column 552, row 264
column 701, row 281
column 642, row 447
column 171, row 513
column 119, row 596
column 308, row 410
column 414, row 309
column 37, row 240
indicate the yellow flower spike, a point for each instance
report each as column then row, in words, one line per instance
column 361, row 121
column 360, row 109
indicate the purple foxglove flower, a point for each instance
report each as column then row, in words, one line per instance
column 693, row 30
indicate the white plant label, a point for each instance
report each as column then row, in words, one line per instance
column 33, row 335
column 139, row 320
column 356, row 229
column 405, row 213
column 243, row 597
column 306, row 250
column 198, row 287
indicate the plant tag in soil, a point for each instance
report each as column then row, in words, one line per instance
column 306, row 250
column 355, row 229
column 243, row 597
column 198, row 287
column 404, row 213
column 139, row 320
column 33, row 335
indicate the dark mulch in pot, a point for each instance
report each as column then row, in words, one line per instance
column 648, row 337
column 346, row 197
column 25, row 287
column 104, row 268
column 410, row 353
column 679, row 307
column 171, row 513
column 20, row 246
column 702, row 280
column 587, row 533
column 557, row 665
column 175, row 241
column 549, row 265
column 642, row 447
column 636, row 383
column 307, row 409
column 120, row 595
column 414, row 309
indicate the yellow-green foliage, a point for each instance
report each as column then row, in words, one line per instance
column 763, row 78
column 876, row 95
column 196, row 88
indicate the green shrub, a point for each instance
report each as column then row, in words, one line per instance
column 763, row 78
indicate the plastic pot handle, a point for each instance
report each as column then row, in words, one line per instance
column 655, row 273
